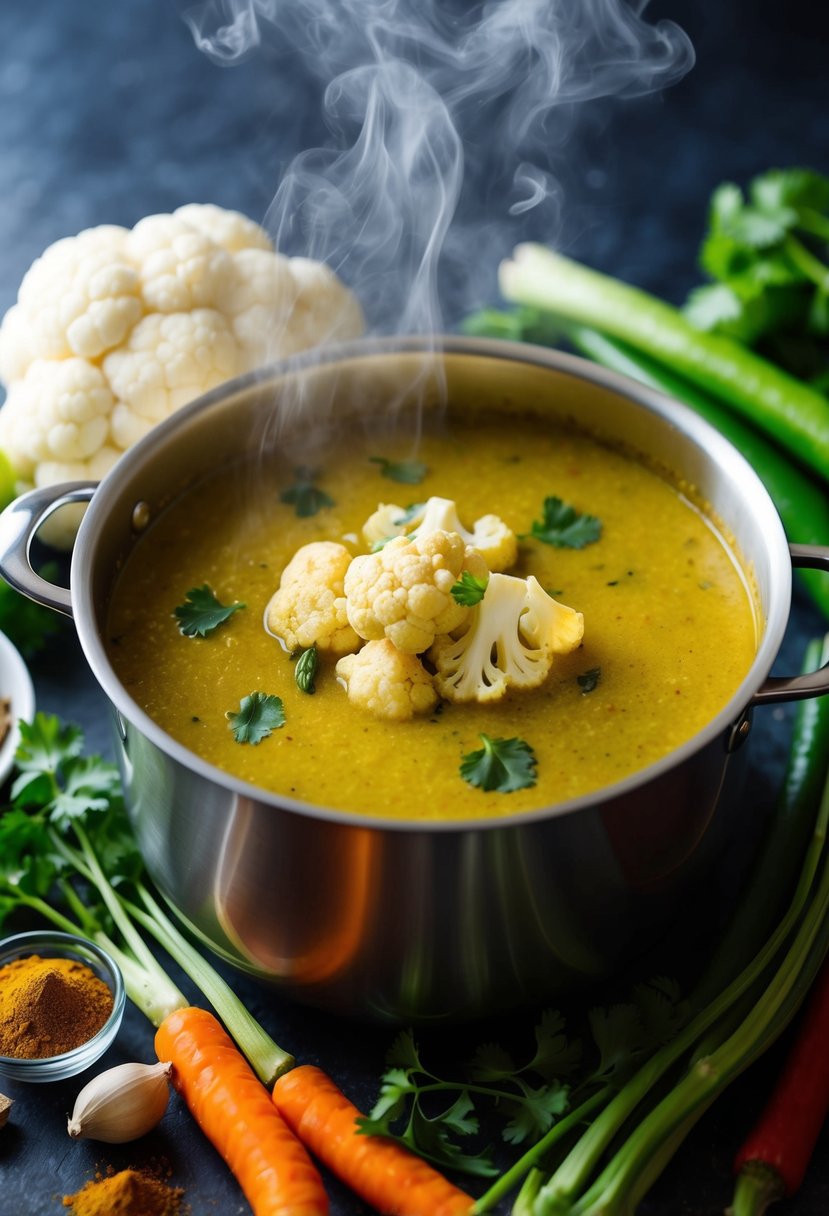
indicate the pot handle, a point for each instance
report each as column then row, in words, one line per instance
column 814, row 683
column 18, row 524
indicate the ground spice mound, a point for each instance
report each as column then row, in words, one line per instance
column 49, row 1006
column 127, row 1193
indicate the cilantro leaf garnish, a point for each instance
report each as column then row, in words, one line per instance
column 306, row 670
column 469, row 589
column 563, row 526
column 201, row 612
column 589, row 679
column 411, row 513
column 501, row 764
column 408, row 472
column 305, row 496
column 258, row 716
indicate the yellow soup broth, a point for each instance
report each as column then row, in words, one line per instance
column 669, row 624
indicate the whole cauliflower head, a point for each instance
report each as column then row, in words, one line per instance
column 157, row 315
column 404, row 592
column 81, row 297
column 489, row 536
column 510, row 640
column 60, row 410
column 309, row 608
column 388, row 682
column 166, row 362
column 229, row 229
column 180, row 268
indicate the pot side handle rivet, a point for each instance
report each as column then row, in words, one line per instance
column 141, row 516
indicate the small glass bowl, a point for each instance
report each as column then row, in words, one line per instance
column 50, row 944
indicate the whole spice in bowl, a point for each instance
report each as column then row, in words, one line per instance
column 61, row 1002
column 49, row 1006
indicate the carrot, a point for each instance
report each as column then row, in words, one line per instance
column 383, row 1173
column 772, row 1160
column 235, row 1112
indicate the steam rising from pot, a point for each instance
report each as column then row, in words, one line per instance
column 446, row 121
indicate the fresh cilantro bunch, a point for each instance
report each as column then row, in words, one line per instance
column 58, row 789
column 767, row 252
column 538, row 1104
column 439, row 1119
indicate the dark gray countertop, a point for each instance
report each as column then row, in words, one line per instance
column 109, row 113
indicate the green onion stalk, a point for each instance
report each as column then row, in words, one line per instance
column 794, row 414
column 585, row 1182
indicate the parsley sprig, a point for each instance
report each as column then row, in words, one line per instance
column 202, row 612
column 305, row 496
column 767, row 252
column 439, row 1119
column 563, row 526
column 407, row 472
column 501, row 764
column 469, row 589
column 258, row 716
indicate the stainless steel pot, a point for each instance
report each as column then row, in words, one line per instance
column 397, row 920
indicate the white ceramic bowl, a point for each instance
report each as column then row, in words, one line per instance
column 16, row 684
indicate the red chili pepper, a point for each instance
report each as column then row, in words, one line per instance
column 772, row 1161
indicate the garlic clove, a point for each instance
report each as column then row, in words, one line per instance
column 121, row 1103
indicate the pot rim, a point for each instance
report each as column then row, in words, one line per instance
column 682, row 417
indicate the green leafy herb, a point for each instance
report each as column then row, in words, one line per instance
column 305, row 496
column 54, row 775
column 589, row 679
column 469, row 589
column 306, row 670
column 259, row 715
column 408, row 472
column 766, row 252
column 201, row 612
column 563, row 526
column 410, row 514
column 438, row 1118
column 501, row 764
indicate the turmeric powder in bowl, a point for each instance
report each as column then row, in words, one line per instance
column 61, row 1003
column 49, row 1006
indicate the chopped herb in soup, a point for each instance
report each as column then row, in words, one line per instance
column 547, row 596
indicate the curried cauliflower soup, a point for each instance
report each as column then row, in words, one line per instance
column 669, row 620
